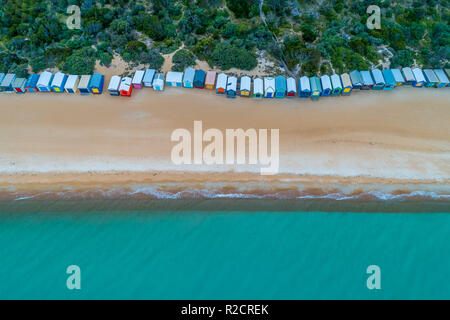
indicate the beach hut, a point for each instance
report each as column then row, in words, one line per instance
column 367, row 80
column 19, row 85
column 147, row 80
column 174, row 79
column 83, row 85
column 430, row 77
column 7, row 82
column 325, row 82
column 347, row 86
column 245, row 86
column 337, row 84
column 316, row 88
column 258, row 88
column 114, row 85
column 443, row 79
column 304, row 87
column 408, row 76
column 221, row 85
column 378, row 79
column 96, row 83
column 269, row 87
column 138, row 77
column 356, row 79
column 388, row 79
column 71, row 85
column 291, row 87
column 231, row 87
column 126, row 87
column 158, row 82
column 419, row 78
column 2, row 75
column 31, row 84
column 199, row 79
column 210, row 80
column 398, row 77
column 280, row 86
column 188, row 78
column 44, row 82
column 58, row 82
column 447, row 72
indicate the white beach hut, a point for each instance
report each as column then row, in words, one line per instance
column 71, row 85
column 221, row 84
column 258, row 88
column 269, row 87
column 419, row 77
column 158, row 82
column 114, row 85
column 231, row 87
column 83, row 85
column 174, row 79
column 291, row 87
column 45, row 79
column 304, row 87
column 137, row 79
column 148, row 77
column 409, row 76
column 245, row 86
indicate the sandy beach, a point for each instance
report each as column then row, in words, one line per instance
column 396, row 142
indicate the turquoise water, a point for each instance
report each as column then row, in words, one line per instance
column 223, row 255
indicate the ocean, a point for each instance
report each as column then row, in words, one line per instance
column 224, row 249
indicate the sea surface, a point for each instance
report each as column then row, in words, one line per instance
column 224, row 249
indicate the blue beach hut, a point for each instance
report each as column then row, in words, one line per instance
column 31, row 85
column 59, row 80
column 158, row 82
column 357, row 82
column 337, row 84
column 398, row 76
column 430, row 77
column 7, row 82
column 443, row 79
column 96, row 83
column 367, row 80
column 148, row 77
column 419, row 78
column 2, row 75
column 325, row 82
column 199, row 79
column 188, row 77
column 388, row 79
column 280, row 87
column 378, row 79
column 316, row 88
column 304, row 87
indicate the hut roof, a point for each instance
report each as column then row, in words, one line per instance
column 232, row 83
column 173, row 76
column 355, row 76
column 125, row 83
column 96, row 80
column 336, row 81
column 71, row 81
column 210, row 77
column 8, row 80
column 189, row 75
column 280, row 83
column 418, row 74
column 258, row 86
column 315, row 84
column 138, row 76
column 398, row 75
column 441, row 75
column 305, row 85
column 222, row 81
column 149, row 75
column 246, row 83
column 32, row 80
column 326, row 82
column 269, row 84
column 408, row 74
column 58, row 79
column 388, row 77
column 84, row 81
column 2, row 75
column 19, row 82
column 114, row 83
column 430, row 75
column 346, row 81
column 291, row 84
column 378, row 76
column 199, row 75
column 366, row 78
column 45, row 78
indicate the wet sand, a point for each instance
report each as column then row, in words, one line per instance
column 397, row 141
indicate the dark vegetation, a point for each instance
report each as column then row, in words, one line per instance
column 227, row 34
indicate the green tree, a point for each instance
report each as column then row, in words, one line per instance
column 182, row 59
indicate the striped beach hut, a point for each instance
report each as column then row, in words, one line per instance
column 31, row 85
column 58, row 82
column 408, row 76
column 147, row 80
column 398, row 77
column 231, row 87
column 304, row 87
column 419, row 78
column 221, row 85
column 430, row 77
column 71, row 85
column 378, row 79
column 291, row 87
column 245, row 86
column 158, row 82
column 443, row 79
column 7, row 82
column 19, row 85
column 367, row 80
column 199, row 79
column 114, row 85
column 325, row 82
column 188, row 78
column 125, row 87
column 83, row 85
column 269, row 87
column 388, row 79
column 280, row 86
column 210, row 81
column 96, row 83
column 138, row 78
column 337, row 84
column 347, row 86
column 316, row 88
column 258, row 88
column 44, row 82
column 356, row 79
column 174, row 79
